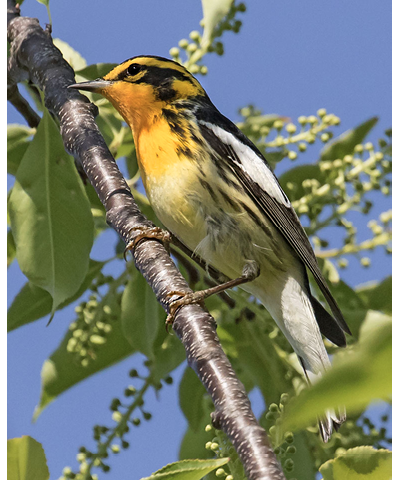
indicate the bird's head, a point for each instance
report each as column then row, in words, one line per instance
column 144, row 85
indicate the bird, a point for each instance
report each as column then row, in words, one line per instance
column 212, row 188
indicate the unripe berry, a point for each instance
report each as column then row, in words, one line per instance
column 302, row 147
column 290, row 128
column 195, row 35
column 174, row 52
column 278, row 124
column 183, row 43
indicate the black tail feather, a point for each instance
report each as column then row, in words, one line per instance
column 327, row 325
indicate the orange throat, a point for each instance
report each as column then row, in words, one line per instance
column 157, row 148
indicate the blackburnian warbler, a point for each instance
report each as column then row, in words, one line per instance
column 212, row 188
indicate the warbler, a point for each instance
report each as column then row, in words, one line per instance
column 213, row 190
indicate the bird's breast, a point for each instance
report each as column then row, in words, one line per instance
column 208, row 210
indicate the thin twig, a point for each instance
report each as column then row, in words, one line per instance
column 23, row 107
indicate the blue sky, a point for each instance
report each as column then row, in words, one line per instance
column 289, row 58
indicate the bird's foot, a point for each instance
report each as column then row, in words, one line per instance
column 154, row 233
column 250, row 272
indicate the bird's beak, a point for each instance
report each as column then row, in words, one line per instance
column 92, row 86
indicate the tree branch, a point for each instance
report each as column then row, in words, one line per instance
column 33, row 55
column 22, row 105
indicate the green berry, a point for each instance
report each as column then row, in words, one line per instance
column 117, row 417
column 192, row 47
column 115, row 404
column 195, row 35
column 302, row 147
column 278, row 124
column 365, row 261
column 284, row 398
column 325, row 137
column 129, row 391
column 290, row 128
column 219, row 48
column 312, row 119
column 115, row 448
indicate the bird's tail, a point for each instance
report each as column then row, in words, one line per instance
column 332, row 419
column 302, row 319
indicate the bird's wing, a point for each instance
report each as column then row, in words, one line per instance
column 252, row 170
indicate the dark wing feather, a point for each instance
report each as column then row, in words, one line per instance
column 282, row 217
column 328, row 326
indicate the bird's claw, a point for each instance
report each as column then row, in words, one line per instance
column 153, row 233
column 185, row 299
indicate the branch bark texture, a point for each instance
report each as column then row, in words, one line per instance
column 33, row 56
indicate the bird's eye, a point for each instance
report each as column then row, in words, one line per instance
column 133, row 69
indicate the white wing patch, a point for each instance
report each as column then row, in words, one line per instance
column 253, row 165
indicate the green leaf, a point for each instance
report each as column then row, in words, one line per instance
column 26, row 460
column 11, row 248
column 213, row 13
column 191, row 394
column 50, row 216
column 359, row 463
column 141, row 315
column 187, row 469
column 296, row 176
column 377, row 296
column 109, row 123
column 252, row 124
column 358, row 376
column 44, row 2
column 63, row 370
column 168, row 352
column 256, row 357
column 127, row 149
column 329, row 271
column 193, row 442
column 97, row 70
column 345, row 143
column 73, row 57
column 33, row 302
column 303, row 458
column 18, row 139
